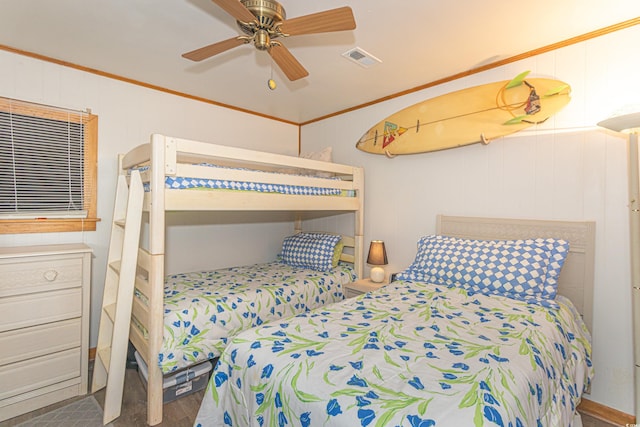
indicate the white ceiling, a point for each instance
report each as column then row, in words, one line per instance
column 418, row 41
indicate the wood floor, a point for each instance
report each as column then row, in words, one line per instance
column 179, row 413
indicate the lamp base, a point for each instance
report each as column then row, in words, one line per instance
column 377, row 274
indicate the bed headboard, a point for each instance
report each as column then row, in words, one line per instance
column 577, row 276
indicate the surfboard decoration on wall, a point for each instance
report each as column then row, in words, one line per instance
column 468, row 116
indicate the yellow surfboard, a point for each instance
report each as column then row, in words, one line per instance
column 468, row 116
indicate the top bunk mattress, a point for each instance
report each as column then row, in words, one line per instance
column 321, row 188
column 241, row 179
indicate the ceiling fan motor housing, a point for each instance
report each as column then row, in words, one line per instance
column 267, row 13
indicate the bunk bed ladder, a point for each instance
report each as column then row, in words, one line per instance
column 113, row 334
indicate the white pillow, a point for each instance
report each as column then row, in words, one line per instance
column 324, row 155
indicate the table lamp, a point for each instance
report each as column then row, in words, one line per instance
column 628, row 121
column 377, row 256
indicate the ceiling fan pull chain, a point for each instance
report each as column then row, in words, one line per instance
column 271, row 84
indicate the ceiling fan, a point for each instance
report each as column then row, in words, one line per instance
column 263, row 21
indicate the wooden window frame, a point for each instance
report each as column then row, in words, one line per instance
column 57, row 225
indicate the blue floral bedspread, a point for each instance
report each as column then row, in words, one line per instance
column 203, row 310
column 410, row 354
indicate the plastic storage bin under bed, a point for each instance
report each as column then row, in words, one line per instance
column 178, row 384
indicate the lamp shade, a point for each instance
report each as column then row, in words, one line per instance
column 377, row 253
column 624, row 121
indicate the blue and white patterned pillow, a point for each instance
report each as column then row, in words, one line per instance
column 520, row 269
column 559, row 249
column 310, row 250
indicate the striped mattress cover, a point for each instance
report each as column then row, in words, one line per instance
column 185, row 183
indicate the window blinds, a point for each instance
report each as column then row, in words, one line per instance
column 41, row 161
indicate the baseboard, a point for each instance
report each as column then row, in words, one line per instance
column 605, row 413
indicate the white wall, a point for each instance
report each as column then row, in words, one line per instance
column 128, row 114
column 558, row 171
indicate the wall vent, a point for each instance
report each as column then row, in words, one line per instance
column 361, row 57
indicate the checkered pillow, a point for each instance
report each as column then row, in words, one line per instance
column 310, row 250
column 520, row 269
column 558, row 251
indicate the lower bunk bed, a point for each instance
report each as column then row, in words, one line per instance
column 477, row 331
column 203, row 310
column 182, row 319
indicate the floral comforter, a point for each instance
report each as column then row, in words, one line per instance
column 203, row 310
column 410, row 354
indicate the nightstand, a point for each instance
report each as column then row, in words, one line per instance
column 360, row 287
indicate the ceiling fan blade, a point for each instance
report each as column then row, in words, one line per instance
column 339, row 19
column 213, row 49
column 287, row 62
column 236, row 9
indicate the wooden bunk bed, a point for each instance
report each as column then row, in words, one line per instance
column 165, row 158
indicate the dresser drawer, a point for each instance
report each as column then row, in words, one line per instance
column 27, row 343
column 32, row 374
column 35, row 309
column 38, row 274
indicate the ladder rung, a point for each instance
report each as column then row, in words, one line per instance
column 119, row 222
column 140, row 341
column 142, row 284
column 105, row 357
column 115, row 266
column 111, row 311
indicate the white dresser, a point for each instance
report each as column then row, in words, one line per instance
column 44, row 325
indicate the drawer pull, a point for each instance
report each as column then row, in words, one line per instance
column 50, row 275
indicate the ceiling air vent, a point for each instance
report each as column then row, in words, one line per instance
column 361, row 57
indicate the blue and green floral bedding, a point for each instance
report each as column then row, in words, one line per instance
column 410, row 354
column 203, row 310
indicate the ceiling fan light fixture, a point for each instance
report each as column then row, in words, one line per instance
column 261, row 40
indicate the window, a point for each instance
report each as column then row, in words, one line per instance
column 48, row 168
